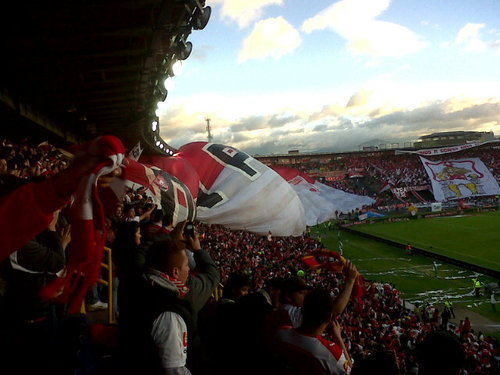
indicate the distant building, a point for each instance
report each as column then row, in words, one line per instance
column 453, row 138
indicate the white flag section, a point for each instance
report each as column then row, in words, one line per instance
column 454, row 179
column 319, row 200
column 240, row 192
column 136, row 152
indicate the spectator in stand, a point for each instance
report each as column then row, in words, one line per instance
column 29, row 323
column 164, row 316
column 304, row 350
column 440, row 353
column 43, row 198
column 295, row 290
column 380, row 362
column 3, row 166
column 248, row 332
column 228, row 322
column 129, row 258
column 154, row 229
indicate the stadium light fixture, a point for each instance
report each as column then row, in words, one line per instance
column 154, row 125
column 201, row 17
column 168, row 84
column 177, row 67
column 157, row 143
column 183, row 49
column 161, row 146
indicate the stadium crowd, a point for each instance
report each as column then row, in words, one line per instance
column 169, row 321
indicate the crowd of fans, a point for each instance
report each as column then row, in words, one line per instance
column 266, row 286
column 399, row 170
column 379, row 321
column 24, row 160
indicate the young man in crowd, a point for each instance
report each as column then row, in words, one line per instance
column 168, row 300
column 298, row 348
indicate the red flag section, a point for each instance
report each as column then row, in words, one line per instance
column 240, row 192
column 178, row 167
column 170, row 193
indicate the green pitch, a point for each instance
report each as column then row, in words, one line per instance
column 471, row 238
column 414, row 275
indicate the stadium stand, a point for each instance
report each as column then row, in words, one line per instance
column 380, row 322
column 81, row 69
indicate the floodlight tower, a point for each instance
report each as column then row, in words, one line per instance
column 209, row 134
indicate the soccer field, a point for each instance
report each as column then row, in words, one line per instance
column 414, row 275
column 471, row 238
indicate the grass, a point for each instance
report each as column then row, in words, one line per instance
column 474, row 239
column 414, row 275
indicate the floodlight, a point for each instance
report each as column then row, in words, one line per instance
column 154, row 125
column 201, row 17
column 182, row 49
column 169, row 83
column 158, row 143
column 177, row 67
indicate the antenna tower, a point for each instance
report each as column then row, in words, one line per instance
column 209, row 134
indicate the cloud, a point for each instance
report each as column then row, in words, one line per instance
column 201, row 53
column 320, row 128
column 342, row 124
column 262, row 122
column 250, row 123
column 355, row 21
column 244, row 12
column 358, row 99
column 271, row 37
column 437, row 116
column 469, row 36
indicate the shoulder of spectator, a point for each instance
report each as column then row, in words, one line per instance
column 36, row 256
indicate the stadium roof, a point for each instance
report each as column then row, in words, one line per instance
column 452, row 133
column 83, row 68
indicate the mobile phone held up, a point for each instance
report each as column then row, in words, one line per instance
column 189, row 230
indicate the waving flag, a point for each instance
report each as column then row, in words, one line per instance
column 240, row 192
column 88, row 232
column 455, row 179
column 170, row 192
column 178, row 167
column 320, row 201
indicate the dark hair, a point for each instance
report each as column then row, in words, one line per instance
column 234, row 282
column 380, row 362
column 275, row 282
column 317, row 309
column 127, row 207
column 156, row 215
column 440, row 354
column 163, row 254
column 125, row 233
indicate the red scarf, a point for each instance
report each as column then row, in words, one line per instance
column 88, row 230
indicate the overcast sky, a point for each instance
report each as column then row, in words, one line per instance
column 318, row 75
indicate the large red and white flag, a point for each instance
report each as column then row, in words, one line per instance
column 319, row 200
column 459, row 178
column 170, row 193
column 240, row 192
